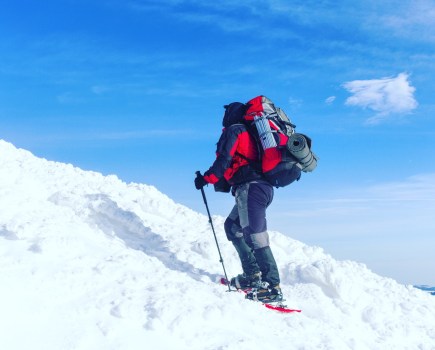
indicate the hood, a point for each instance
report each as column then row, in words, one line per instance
column 234, row 113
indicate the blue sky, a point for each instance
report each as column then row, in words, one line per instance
column 136, row 88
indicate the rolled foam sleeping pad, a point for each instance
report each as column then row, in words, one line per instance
column 297, row 145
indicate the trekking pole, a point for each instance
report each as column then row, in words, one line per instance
column 214, row 233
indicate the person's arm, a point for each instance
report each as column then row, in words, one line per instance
column 226, row 149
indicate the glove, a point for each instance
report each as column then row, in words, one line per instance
column 200, row 181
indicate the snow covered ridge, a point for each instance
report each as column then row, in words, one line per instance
column 90, row 262
column 428, row 289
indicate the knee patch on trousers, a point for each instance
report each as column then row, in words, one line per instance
column 232, row 229
column 257, row 240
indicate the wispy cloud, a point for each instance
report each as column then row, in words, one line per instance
column 416, row 188
column 69, row 98
column 380, row 224
column 113, row 136
column 243, row 15
column 338, row 33
column 141, row 134
column 389, row 207
column 100, row 89
column 385, row 96
column 412, row 20
column 227, row 15
column 330, row 100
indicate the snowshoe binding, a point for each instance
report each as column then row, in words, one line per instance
column 266, row 294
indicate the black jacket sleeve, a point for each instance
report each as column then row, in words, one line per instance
column 226, row 148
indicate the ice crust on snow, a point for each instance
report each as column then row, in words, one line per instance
column 90, row 262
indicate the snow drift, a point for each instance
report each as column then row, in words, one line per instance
column 90, row 262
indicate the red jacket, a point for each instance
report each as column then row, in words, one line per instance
column 236, row 157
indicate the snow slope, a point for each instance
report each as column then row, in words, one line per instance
column 90, row 262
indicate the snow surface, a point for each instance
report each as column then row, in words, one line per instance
column 90, row 262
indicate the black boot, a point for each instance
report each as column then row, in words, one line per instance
column 244, row 281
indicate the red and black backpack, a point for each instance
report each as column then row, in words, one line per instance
column 284, row 153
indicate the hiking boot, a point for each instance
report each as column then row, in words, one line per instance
column 276, row 294
column 244, row 281
column 266, row 294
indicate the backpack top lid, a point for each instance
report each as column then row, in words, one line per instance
column 234, row 113
column 259, row 105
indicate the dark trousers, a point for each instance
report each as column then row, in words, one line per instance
column 246, row 228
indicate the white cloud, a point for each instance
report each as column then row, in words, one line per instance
column 385, row 96
column 330, row 100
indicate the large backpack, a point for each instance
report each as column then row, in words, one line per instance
column 284, row 153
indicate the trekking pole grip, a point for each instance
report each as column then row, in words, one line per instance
column 198, row 174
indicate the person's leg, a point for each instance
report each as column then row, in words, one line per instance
column 234, row 234
column 252, row 202
column 268, row 267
